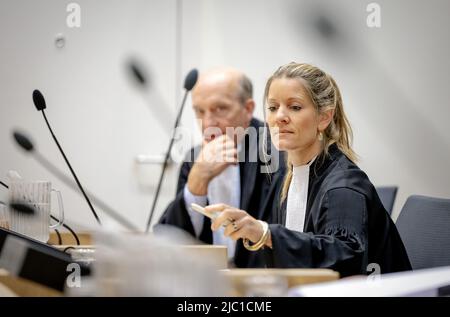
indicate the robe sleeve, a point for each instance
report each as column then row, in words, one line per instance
column 176, row 213
column 339, row 240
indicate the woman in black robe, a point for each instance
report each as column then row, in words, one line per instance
column 325, row 212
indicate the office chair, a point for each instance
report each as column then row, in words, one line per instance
column 424, row 225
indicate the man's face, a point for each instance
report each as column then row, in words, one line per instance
column 216, row 103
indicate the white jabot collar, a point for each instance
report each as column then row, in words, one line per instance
column 298, row 197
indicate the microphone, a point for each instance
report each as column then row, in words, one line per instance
column 39, row 102
column 4, row 185
column 23, row 208
column 137, row 73
column 143, row 82
column 29, row 210
column 189, row 83
column 29, row 147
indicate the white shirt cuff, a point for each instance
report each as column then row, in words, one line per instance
column 196, row 218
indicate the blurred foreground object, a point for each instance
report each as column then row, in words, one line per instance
column 429, row 282
column 142, row 265
column 274, row 282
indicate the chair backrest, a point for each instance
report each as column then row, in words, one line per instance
column 424, row 225
column 387, row 195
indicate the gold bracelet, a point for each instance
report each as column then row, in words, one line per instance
column 260, row 243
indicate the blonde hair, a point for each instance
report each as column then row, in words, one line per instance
column 324, row 94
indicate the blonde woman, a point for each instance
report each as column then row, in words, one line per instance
column 326, row 211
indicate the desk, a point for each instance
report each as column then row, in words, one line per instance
column 68, row 239
column 294, row 277
column 22, row 287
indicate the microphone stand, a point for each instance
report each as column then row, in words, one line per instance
column 165, row 163
column 189, row 83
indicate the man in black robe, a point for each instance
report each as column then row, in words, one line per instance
column 221, row 99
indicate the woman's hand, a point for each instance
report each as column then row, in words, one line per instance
column 240, row 223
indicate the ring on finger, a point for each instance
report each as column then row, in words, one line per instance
column 227, row 222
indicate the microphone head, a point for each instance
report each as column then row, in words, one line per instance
column 137, row 73
column 39, row 100
column 23, row 208
column 23, row 141
column 191, row 80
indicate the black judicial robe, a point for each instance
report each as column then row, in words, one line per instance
column 254, row 196
column 346, row 226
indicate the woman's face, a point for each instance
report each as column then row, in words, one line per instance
column 292, row 117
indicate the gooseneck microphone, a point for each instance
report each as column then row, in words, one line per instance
column 137, row 73
column 40, row 104
column 25, row 143
column 143, row 81
column 23, row 208
column 189, row 83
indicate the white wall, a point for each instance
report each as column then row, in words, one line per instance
column 393, row 80
column 102, row 120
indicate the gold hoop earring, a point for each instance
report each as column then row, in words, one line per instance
column 320, row 137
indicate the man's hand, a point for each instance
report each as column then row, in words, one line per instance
column 214, row 157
